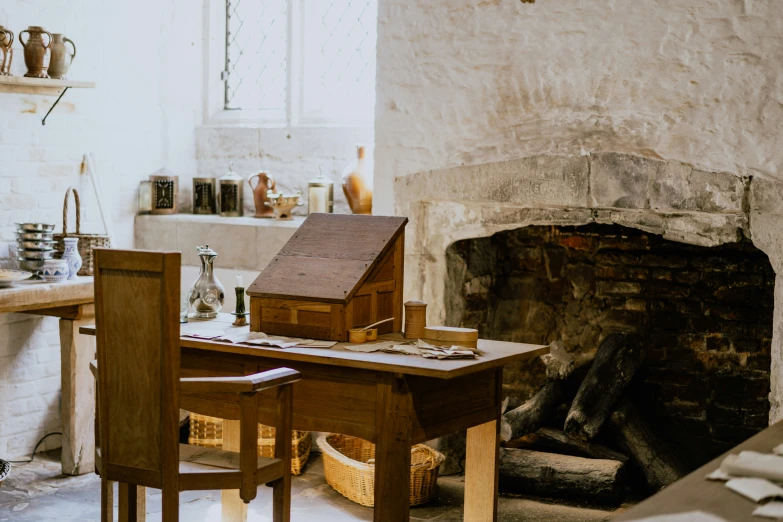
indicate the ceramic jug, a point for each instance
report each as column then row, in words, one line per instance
column 61, row 59
column 357, row 182
column 6, row 53
column 36, row 51
column 265, row 183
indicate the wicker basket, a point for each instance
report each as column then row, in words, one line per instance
column 86, row 241
column 349, row 466
column 208, row 431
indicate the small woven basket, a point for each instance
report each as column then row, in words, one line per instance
column 87, row 242
column 349, row 466
column 208, row 432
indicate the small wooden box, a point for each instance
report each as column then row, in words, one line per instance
column 336, row 273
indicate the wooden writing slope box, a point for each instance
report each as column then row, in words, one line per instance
column 337, row 272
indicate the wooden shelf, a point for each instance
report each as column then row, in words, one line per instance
column 24, row 85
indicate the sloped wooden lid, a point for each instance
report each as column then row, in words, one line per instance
column 328, row 258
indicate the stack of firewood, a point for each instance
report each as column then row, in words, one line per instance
column 570, row 463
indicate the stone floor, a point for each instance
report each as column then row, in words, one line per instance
column 37, row 492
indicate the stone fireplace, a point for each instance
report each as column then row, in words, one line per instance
column 574, row 247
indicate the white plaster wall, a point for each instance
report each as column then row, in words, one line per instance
column 467, row 82
column 139, row 119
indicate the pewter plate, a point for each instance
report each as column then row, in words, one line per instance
column 8, row 277
column 36, row 254
column 37, row 245
column 35, row 227
column 34, row 236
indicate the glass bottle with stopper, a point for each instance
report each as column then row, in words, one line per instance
column 207, row 294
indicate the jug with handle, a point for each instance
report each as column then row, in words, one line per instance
column 6, row 53
column 61, row 59
column 265, row 183
column 36, row 52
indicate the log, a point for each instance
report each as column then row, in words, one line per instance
column 653, row 456
column 528, row 417
column 615, row 364
column 555, row 441
column 563, row 476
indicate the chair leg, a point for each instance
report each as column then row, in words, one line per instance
column 281, row 493
column 132, row 503
column 107, row 500
column 170, row 505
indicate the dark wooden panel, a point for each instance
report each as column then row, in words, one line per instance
column 385, row 310
column 362, row 310
column 385, row 269
column 296, row 330
column 314, row 318
column 275, row 315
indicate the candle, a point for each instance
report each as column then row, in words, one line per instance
column 239, row 281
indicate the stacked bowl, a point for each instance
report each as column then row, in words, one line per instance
column 35, row 246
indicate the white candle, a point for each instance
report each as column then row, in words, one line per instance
column 239, row 281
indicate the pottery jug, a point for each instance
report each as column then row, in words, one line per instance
column 61, row 58
column 72, row 256
column 6, row 53
column 265, row 183
column 357, row 182
column 36, row 51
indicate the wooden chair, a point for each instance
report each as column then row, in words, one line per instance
column 137, row 296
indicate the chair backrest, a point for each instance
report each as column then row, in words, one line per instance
column 137, row 297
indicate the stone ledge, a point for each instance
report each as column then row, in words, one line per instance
column 243, row 243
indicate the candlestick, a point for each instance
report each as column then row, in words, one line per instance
column 239, row 313
column 239, row 281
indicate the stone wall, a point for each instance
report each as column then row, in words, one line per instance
column 469, row 82
column 708, row 312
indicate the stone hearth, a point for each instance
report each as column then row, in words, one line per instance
column 669, row 199
column 705, row 380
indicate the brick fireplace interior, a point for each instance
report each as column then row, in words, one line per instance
column 708, row 311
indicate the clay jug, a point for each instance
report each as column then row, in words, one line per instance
column 6, row 41
column 61, row 58
column 36, row 51
column 265, row 183
column 357, row 182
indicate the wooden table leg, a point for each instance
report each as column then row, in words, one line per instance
column 233, row 508
column 392, row 450
column 132, row 503
column 481, row 473
column 78, row 393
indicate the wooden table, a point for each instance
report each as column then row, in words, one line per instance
column 71, row 301
column 695, row 493
column 392, row 400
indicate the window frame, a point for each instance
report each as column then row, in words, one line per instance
column 215, row 18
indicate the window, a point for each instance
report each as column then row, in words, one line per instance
column 301, row 61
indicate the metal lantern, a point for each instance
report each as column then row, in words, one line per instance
column 164, row 194
column 231, row 194
column 204, row 201
column 320, row 195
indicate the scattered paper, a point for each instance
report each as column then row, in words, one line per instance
column 431, row 351
column 770, row 510
column 755, row 489
column 244, row 336
column 205, row 334
column 690, row 516
column 778, row 450
column 719, row 474
column 754, row 464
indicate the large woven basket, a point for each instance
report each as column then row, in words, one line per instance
column 87, row 242
column 208, row 431
column 349, row 466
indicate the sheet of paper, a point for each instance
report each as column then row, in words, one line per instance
column 362, row 348
column 755, row 489
column 754, row 464
column 770, row 510
column 778, row 450
column 719, row 474
column 690, row 516
column 204, row 334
